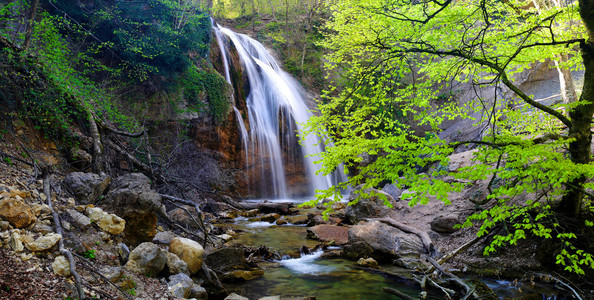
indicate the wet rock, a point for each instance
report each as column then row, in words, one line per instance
column 234, row 296
column 132, row 198
column 81, row 221
column 227, row 214
column 86, row 187
column 242, row 275
column 112, row 224
column 225, row 237
column 226, row 259
column 189, row 251
column 179, row 285
column 269, row 217
column 381, row 242
column 176, row 265
column 249, row 213
column 368, row 206
column 16, row 212
column 43, row 243
column 338, row 235
column 147, row 259
column 297, row 220
column 280, row 222
column 368, row 263
column 270, row 298
column 163, row 237
column 445, row 224
column 61, row 266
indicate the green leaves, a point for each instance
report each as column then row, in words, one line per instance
column 400, row 70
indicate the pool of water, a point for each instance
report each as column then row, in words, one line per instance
column 335, row 278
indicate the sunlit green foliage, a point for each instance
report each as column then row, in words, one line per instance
column 395, row 61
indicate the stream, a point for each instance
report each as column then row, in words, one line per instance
column 326, row 276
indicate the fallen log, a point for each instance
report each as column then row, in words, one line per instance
column 282, row 208
column 425, row 239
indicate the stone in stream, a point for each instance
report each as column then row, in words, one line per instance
column 338, row 235
column 272, row 217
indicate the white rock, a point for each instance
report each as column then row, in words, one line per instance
column 61, row 266
column 95, row 213
column 15, row 242
column 43, row 243
column 111, row 223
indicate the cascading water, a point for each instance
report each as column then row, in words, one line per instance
column 275, row 112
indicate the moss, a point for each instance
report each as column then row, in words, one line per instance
column 199, row 83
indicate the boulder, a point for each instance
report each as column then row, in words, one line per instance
column 176, row 265
column 181, row 217
column 297, row 220
column 226, row 259
column 132, row 198
column 368, row 206
column 61, row 266
column 445, row 224
column 392, row 190
column 280, row 222
column 87, row 188
column 180, row 285
column 189, row 251
column 42, row 228
column 338, row 235
column 381, row 242
column 123, row 252
column 112, row 224
column 147, row 259
column 43, row 243
column 113, row 274
column 16, row 212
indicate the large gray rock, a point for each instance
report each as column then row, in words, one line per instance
column 392, row 190
column 86, row 187
column 370, row 206
column 132, row 198
column 445, row 224
column 147, row 259
column 179, row 285
column 381, row 242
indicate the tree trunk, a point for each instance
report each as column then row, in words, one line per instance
column 29, row 31
column 580, row 129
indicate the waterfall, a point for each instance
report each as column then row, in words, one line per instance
column 275, row 111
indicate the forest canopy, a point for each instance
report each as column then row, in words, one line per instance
column 399, row 62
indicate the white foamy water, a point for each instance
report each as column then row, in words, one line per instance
column 306, row 264
column 259, row 224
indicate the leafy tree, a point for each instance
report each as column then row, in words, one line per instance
column 397, row 62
